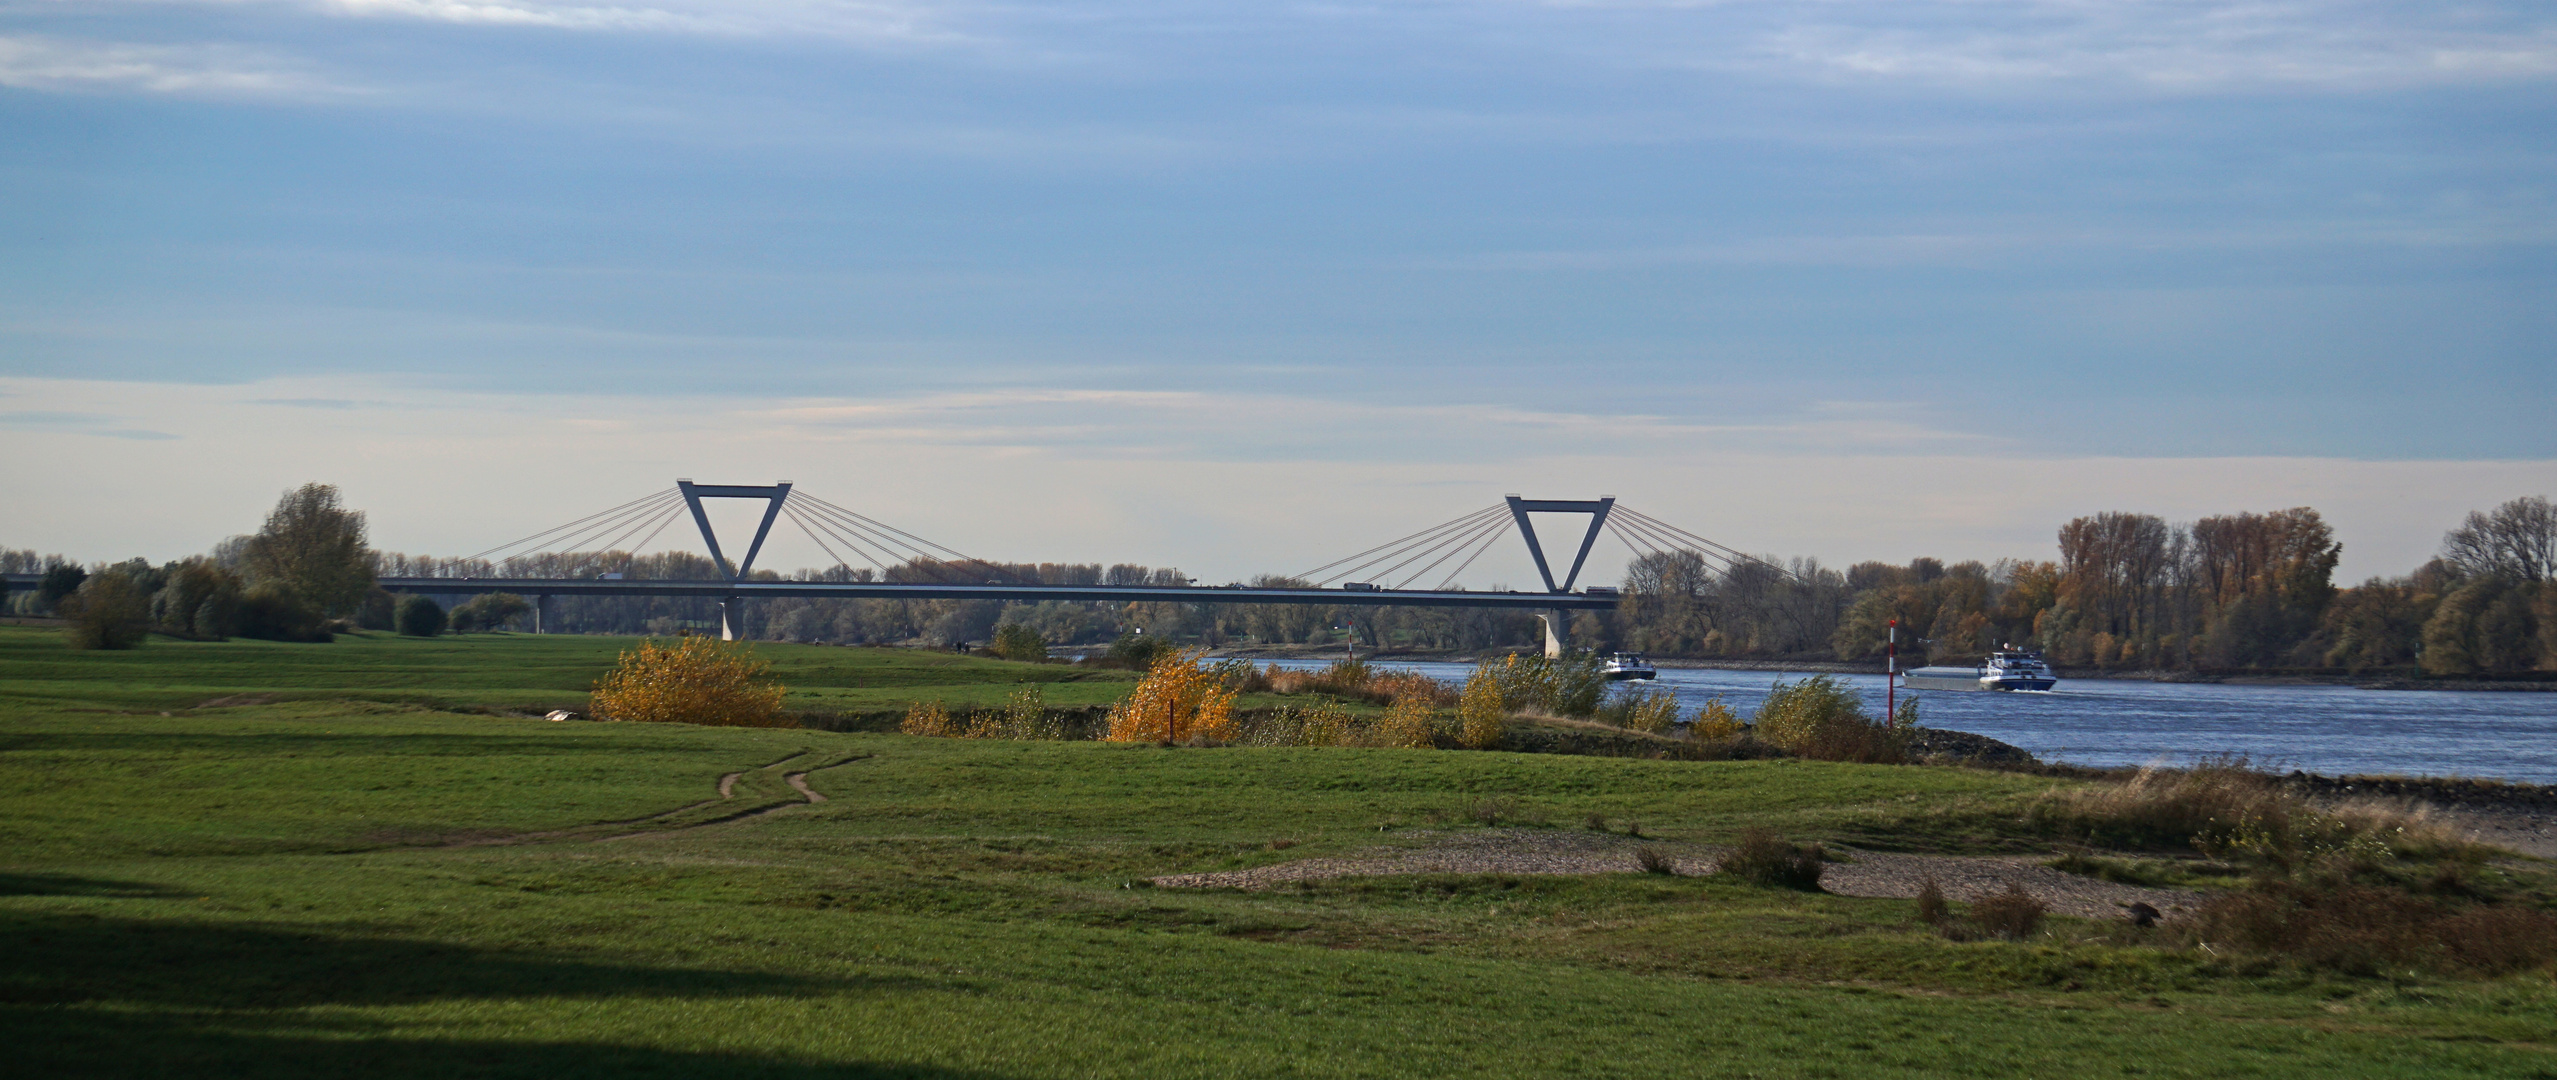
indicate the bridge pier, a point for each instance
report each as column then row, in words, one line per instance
column 540, row 601
column 732, row 623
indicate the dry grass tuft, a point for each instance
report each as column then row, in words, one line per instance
column 1933, row 909
column 1652, row 860
column 2227, row 810
column 2331, row 922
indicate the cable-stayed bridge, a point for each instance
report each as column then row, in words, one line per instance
column 901, row 565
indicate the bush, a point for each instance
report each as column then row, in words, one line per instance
column 697, row 680
column 2014, row 914
column 1015, row 641
column 1716, row 721
column 1767, row 859
column 927, row 718
column 420, row 616
column 1653, row 711
column 1407, row 724
column 200, row 599
column 1573, row 684
column 380, row 611
column 1138, row 652
column 1652, row 860
column 274, row 612
column 1823, row 719
column 487, row 611
column 1480, row 718
column 1178, row 699
column 108, row 612
column 1024, row 716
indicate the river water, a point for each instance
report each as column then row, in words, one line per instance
column 2335, row 730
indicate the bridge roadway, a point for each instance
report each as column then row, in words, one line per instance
column 881, row 590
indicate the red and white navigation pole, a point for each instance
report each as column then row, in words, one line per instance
column 1891, row 676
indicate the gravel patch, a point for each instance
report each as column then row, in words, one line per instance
column 1556, row 851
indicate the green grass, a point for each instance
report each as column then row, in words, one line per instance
column 350, row 879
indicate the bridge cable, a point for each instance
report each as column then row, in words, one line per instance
column 1450, row 551
column 898, row 553
column 851, row 541
column 1469, row 560
column 1423, row 552
column 1493, row 529
column 584, row 536
column 795, row 519
column 652, row 497
column 662, row 519
column 1464, row 524
column 586, row 539
column 877, row 528
column 1730, row 556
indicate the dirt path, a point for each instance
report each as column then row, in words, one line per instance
column 2530, row 831
column 1548, row 851
column 728, row 785
column 799, row 780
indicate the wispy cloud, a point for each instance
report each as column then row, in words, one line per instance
column 77, row 423
column 840, row 19
column 194, row 70
column 2177, row 44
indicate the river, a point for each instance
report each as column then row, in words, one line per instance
column 2335, row 730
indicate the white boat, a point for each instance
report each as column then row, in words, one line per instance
column 1622, row 666
column 2008, row 668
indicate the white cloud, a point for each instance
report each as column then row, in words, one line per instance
column 197, row 70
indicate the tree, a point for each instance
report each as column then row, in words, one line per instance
column 1014, row 641
column 314, row 544
column 58, row 583
column 109, row 612
column 420, row 617
column 2518, row 542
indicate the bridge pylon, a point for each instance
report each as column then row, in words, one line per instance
column 732, row 622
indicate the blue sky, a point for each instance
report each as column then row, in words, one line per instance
column 1226, row 285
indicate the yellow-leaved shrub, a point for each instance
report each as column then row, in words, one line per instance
column 929, row 718
column 1179, row 699
column 696, row 680
column 1481, row 716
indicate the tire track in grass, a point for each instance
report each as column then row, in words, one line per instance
column 773, row 786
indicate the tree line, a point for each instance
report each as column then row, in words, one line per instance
column 2131, row 591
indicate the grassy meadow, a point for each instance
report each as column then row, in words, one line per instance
column 253, row 859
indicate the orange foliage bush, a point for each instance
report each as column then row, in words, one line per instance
column 697, row 680
column 1178, row 699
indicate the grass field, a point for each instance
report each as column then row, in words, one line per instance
column 347, row 877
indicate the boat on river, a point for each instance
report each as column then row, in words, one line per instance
column 2006, row 669
column 1624, row 666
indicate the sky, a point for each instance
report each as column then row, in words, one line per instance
column 1245, row 287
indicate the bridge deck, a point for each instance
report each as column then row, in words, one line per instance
column 879, row 590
